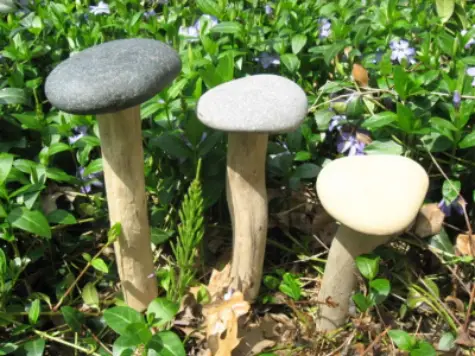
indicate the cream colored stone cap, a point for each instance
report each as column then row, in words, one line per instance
column 374, row 194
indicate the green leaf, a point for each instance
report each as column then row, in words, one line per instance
column 468, row 141
column 451, row 190
column 298, row 42
column 7, row 348
column 6, row 163
column 445, row 9
column 3, row 212
column 3, row 265
column 34, row 312
column 332, row 51
column 165, row 343
column 73, row 318
column 12, row 96
column 290, row 286
column 228, row 27
column 402, row 339
column 162, row 309
column 405, row 117
column 430, row 285
column 93, row 167
column 379, row 290
column 172, row 145
column 446, row 342
column 307, row 170
column 122, row 344
column 61, row 217
column 302, row 156
column 291, row 62
column 160, row 236
column 29, row 120
column 114, row 232
column 57, row 148
column 90, row 296
column 423, row 348
column 368, row 265
column 32, row 221
column 209, row 7
column 380, row 120
column 100, row 265
column 442, row 242
column 401, row 80
column 35, row 347
column 361, row 302
column 119, row 318
column 225, row 67
column 139, row 332
column 386, row 146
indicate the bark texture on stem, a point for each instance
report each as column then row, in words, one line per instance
column 247, row 202
column 122, row 155
column 339, row 278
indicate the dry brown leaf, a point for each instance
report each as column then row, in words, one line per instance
column 457, row 302
column 429, row 221
column 463, row 244
column 219, row 281
column 218, row 315
column 360, row 75
column 230, row 341
column 463, row 338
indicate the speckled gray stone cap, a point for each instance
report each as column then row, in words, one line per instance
column 112, row 76
column 259, row 103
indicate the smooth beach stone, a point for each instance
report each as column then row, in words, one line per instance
column 259, row 103
column 112, row 76
column 375, row 194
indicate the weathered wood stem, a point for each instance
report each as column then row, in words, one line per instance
column 122, row 154
column 247, row 201
column 340, row 276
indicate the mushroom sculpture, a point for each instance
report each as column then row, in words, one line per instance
column 374, row 198
column 250, row 109
column 111, row 80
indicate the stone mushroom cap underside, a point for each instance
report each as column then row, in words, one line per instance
column 375, row 195
column 262, row 103
column 112, row 76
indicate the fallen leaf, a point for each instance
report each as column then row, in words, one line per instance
column 230, row 341
column 464, row 339
column 360, row 75
column 219, row 281
column 359, row 348
column 457, row 302
column 462, row 243
column 429, row 220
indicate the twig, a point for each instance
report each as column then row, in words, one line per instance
column 469, row 309
column 84, row 270
column 64, row 342
column 379, row 337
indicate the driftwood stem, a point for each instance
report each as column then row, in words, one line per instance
column 339, row 278
column 247, row 201
column 122, row 154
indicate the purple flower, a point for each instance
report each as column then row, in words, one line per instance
column 268, row 10
column 192, row 32
column 101, row 8
column 266, row 60
column 454, row 205
column 401, row 50
column 470, row 42
column 89, row 180
column 335, row 122
column 471, row 72
column 150, row 13
column 347, row 142
column 325, row 28
column 457, row 99
column 79, row 131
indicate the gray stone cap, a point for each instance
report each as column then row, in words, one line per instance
column 374, row 194
column 259, row 103
column 112, row 76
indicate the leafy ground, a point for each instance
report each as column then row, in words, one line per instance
column 381, row 77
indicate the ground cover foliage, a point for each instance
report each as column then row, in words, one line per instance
column 381, row 77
